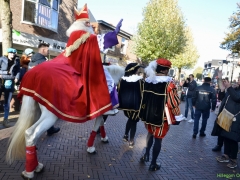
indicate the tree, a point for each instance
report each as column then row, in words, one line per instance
column 161, row 33
column 188, row 58
column 6, row 20
column 232, row 40
column 198, row 72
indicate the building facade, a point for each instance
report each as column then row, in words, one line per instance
column 36, row 21
column 229, row 67
column 121, row 54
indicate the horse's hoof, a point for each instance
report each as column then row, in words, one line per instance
column 112, row 112
column 105, row 140
column 95, row 152
column 91, row 150
column 39, row 168
column 27, row 175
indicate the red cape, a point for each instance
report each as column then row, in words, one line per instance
column 74, row 88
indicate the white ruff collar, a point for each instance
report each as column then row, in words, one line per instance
column 158, row 79
column 132, row 78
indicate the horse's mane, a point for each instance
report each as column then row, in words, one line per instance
column 116, row 72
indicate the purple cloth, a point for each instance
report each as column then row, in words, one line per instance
column 114, row 97
column 118, row 26
column 110, row 39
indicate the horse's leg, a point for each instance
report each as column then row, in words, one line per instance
column 98, row 122
column 104, row 137
column 32, row 134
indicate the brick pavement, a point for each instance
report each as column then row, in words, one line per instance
column 64, row 154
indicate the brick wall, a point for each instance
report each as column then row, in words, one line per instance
column 66, row 17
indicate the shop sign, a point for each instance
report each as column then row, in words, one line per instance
column 31, row 40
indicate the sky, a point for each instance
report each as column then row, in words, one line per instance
column 207, row 19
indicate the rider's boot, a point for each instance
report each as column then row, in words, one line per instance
column 104, row 138
column 91, row 149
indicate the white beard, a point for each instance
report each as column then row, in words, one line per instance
column 79, row 25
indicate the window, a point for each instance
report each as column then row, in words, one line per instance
column 43, row 13
column 45, row 2
column 55, row 5
column 29, row 13
column 124, row 46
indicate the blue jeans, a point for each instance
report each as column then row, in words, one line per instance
column 7, row 100
column 205, row 115
column 189, row 105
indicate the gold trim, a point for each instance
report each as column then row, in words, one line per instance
column 128, row 109
column 81, row 11
column 76, row 44
column 63, row 114
column 154, row 93
column 83, row 19
column 132, row 68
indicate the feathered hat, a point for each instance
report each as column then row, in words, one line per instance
column 150, row 70
column 81, row 15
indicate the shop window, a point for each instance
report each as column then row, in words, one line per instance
column 43, row 13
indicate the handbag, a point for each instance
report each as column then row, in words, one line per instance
column 225, row 118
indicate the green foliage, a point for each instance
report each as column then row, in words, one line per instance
column 161, row 33
column 198, row 72
column 232, row 39
column 188, row 58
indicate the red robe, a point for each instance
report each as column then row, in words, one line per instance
column 73, row 87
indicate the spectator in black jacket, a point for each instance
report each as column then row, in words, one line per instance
column 204, row 99
column 191, row 85
column 231, row 102
column 38, row 58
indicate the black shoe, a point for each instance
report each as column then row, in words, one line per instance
column 194, row 136
column 217, row 148
column 145, row 158
column 53, row 130
column 154, row 167
column 125, row 138
column 202, row 135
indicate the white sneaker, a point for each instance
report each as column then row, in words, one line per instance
column 191, row 121
column 184, row 118
column 180, row 118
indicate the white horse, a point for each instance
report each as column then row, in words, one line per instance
column 34, row 120
column 116, row 73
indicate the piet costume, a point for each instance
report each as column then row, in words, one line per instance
column 73, row 85
column 130, row 92
column 160, row 103
column 158, row 108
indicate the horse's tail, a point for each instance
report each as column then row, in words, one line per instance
column 29, row 114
